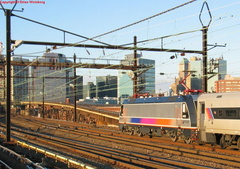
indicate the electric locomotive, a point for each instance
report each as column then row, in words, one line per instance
column 175, row 116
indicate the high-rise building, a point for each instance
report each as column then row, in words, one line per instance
column 20, row 81
column 183, row 68
column 51, row 83
column 89, row 90
column 145, row 80
column 195, row 80
column 217, row 71
column 125, row 83
column 106, row 86
column 191, row 71
column 228, row 84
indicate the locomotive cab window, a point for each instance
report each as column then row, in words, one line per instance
column 195, row 104
column 184, row 111
column 121, row 110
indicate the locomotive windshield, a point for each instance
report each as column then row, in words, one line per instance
column 184, row 111
column 121, row 110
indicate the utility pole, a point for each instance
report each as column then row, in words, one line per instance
column 8, row 14
column 135, row 67
column 204, row 46
column 75, row 89
column 43, row 98
column 8, row 67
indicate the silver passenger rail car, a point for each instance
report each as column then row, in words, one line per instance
column 219, row 119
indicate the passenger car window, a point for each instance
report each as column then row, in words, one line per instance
column 231, row 113
column 220, row 113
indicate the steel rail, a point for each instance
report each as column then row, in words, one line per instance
column 118, row 157
column 18, row 156
column 180, row 151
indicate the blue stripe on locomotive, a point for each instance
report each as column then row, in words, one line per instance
column 135, row 120
column 157, row 99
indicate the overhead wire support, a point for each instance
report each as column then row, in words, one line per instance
column 107, row 47
column 215, row 45
column 204, row 45
column 64, row 31
column 162, row 37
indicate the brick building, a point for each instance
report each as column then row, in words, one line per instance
column 229, row 84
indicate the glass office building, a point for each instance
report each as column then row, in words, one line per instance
column 146, row 78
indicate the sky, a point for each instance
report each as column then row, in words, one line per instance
column 93, row 18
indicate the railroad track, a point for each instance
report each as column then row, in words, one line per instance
column 110, row 155
column 172, row 150
column 115, row 131
column 143, row 143
column 4, row 165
